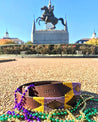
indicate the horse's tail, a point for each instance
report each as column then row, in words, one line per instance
column 62, row 20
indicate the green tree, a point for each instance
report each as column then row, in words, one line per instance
column 29, row 42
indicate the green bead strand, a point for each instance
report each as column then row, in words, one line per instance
column 89, row 113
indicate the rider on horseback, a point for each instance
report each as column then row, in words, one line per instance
column 49, row 13
column 48, row 16
column 51, row 9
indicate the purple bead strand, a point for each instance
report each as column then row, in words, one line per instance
column 20, row 105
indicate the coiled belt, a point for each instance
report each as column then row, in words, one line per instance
column 48, row 95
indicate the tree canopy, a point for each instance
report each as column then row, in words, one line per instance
column 93, row 41
column 6, row 41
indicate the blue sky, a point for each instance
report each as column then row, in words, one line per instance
column 17, row 17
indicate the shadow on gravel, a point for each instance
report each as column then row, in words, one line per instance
column 91, row 103
column 90, row 93
column 7, row 60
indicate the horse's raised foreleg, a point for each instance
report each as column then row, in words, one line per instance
column 39, row 21
column 38, row 18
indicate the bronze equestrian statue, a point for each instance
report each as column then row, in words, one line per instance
column 49, row 17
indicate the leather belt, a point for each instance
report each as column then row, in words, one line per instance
column 48, row 95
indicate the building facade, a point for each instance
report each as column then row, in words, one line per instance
column 15, row 40
column 81, row 41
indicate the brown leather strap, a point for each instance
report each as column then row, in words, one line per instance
column 48, row 95
column 47, row 89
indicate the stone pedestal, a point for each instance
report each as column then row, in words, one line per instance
column 50, row 37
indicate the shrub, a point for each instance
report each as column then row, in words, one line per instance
column 49, row 49
column 92, row 48
column 64, row 48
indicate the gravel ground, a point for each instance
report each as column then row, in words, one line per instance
column 21, row 71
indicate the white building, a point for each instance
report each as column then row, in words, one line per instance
column 16, row 40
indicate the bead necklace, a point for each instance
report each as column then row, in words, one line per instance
column 22, row 113
column 20, row 105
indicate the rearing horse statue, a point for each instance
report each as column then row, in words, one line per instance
column 49, row 17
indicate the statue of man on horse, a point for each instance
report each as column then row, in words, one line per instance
column 48, row 16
